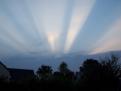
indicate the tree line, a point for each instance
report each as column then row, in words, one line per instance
column 94, row 75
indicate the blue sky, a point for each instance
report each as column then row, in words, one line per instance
column 59, row 26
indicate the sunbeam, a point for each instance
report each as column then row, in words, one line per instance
column 57, row 26
column 81, row 12
column 36, row 10
column 52, row 21
column 111, row 40
column 11, row 37
column 66, row 22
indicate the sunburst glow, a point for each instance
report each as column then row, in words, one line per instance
column 52, row 39
column 59, row 26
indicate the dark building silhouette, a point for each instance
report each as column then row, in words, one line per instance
column 4, row 73
column 20, row 75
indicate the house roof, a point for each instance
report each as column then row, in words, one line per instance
column 3, row 65
column 18, row 74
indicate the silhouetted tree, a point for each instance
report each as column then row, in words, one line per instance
column 63, row 68
column 94, row 75
column 102, row 76
column 44, row 72
column 111, row 73
column 65, row 73
column 90, row 72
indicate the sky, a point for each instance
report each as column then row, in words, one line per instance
column 59, row 26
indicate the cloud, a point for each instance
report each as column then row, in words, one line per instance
column 111, row 40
